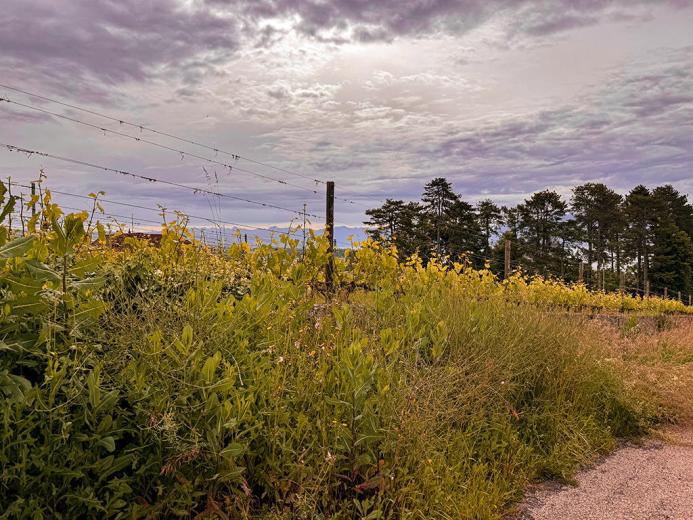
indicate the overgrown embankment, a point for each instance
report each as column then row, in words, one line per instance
column 174, row 381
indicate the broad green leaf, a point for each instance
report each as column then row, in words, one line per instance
column 108, row 443
column 14, row 387
column 17, row 345
column 42, row 271
column 18, row 247
column 230, row 475
column 28, row 305
column 187, row 337
column 85, row 266
column 74, row 227
column 232, row 450
column 9, row 207
column 87, row 283
column 25, row 285
column 94, row 390
column 87, row 312
column 59, row 241
column 101, row 232
column 210, row 367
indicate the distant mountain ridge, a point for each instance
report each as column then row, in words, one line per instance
column 341, row 234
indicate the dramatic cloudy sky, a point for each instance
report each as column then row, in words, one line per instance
column 502, row 97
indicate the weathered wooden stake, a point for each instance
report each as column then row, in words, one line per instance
column 506, row 272
column 581, row 272
column 622, row 282
column 647, row 288
column 329, row 234
column 21, row 212
column 9, row 215
column 666, row 292
column 33, row 194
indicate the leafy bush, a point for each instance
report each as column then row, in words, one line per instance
column 175, row 381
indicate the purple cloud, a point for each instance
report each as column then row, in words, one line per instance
column 112, row 42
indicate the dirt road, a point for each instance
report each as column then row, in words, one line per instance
column 649, row 482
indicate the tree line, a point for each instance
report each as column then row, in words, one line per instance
column 598, row 235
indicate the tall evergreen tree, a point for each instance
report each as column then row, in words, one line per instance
column 672, row 259
column 438, row 198
column 463, row 235
column 490, row 218
column 541, row 218
column 396, row 222
column 638, row 214
column 597, row 210
column 672, row 207
column 672, row 262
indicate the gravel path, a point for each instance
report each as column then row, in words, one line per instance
column 649, row 482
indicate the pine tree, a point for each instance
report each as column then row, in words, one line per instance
column 463, row 235
column 490, row 219
column 541, row 217
column 638, row 214
column 438, row 198
column 672, row 262
column 597, row 210
column 396, row 223
column 672, row 259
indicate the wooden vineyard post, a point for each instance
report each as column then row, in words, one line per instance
column 21, row 213
column 33, row 194
column 647, row 288
column 622, row 282
column 581, row 272
column 9, row 215
column 506, row 272
column 679, row 296
column 329, row 234
column 666, row 293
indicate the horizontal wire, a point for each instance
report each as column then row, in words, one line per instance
column 159, row 132
column 183, row 153
column 165, row 134
column 148, row 208
column 137, row 220
column 226, row 233
column 13, row 148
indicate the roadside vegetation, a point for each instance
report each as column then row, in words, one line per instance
column 178, row 381
column 641, row 241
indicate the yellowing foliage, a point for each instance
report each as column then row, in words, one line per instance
column 179, row 381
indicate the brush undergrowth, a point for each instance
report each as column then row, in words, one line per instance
column 175, row 381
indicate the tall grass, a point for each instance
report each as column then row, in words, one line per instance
column 233, row 386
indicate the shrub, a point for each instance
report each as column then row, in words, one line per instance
column 175, row 381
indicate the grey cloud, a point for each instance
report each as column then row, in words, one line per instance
column 634, row 128
column 79, row 47
column 109, row 42
column 340, row 21
column 616, row 134
column 554, row 24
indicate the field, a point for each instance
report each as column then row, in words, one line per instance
column 179, row 381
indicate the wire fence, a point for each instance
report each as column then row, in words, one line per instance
column 215, row 228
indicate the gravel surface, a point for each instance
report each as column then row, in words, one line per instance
column 653, row 481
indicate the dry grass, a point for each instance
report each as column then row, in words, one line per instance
column 657, row 367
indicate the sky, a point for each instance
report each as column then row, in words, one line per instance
column 501, row 97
